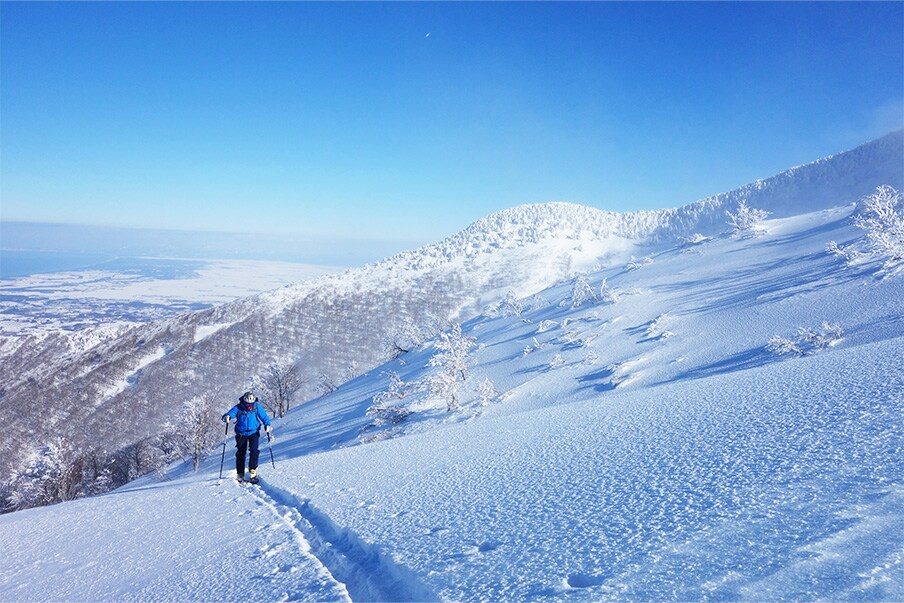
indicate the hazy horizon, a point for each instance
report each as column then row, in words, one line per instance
column 50, row 237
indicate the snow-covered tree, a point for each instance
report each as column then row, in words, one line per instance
column 49, row 475
column 277, row 385
column 387, row 406
column 406, row 339
column 746, row 221
column 97, row 472
column 444, row 385
column 453, row 349
column 487, row 392
column 511, row 305
column 581, row 292
column 452, row 358
column 882, row 218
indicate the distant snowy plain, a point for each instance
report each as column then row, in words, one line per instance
column 136, row 290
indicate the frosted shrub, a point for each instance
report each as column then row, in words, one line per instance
column 656, row 328
column 746, row 221
column 608, row 295
column 849, row 254
column 387, row 409
column 487, row 392
column 538, row 301
column 546, row 325
column 510, row 306
column 581, row 293
column 782, row 346
column 882, row 218
column 827, row 335
column 806, row 341
column 638, row 263
column 570, row 336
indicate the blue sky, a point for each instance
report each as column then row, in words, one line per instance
column 407, row 121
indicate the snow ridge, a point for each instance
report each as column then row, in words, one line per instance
column 832, row 181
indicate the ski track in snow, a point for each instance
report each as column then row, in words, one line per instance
column 367, row 574
column 298, row 526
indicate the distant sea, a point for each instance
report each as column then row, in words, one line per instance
column 18, row 263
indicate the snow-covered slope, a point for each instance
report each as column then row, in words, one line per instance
column 644, row 446
column 719, row 471
column 336, row 326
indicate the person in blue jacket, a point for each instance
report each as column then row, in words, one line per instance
column 248, row 415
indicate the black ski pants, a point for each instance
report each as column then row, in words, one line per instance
column 242, row 444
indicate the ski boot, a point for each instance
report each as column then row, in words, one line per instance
column 254, row 478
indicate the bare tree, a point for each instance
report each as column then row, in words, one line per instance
column 278, row 385
column 408, row 337
column 200, row 417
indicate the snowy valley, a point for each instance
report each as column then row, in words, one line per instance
column 557, row 403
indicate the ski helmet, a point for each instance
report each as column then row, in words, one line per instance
column 248, row 398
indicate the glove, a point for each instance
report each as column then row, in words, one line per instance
column 226, row 418
column 267, row 428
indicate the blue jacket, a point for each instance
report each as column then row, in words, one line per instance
column 248, row 422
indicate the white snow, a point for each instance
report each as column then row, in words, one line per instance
column 647, row 447
column 205, row 331
column 135, row 374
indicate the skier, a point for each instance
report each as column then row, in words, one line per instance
column 248, row 415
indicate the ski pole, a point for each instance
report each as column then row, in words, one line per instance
column 223, row 458
column 270, row 447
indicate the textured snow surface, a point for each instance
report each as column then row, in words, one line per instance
column 189, row 540
column 739, row 485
